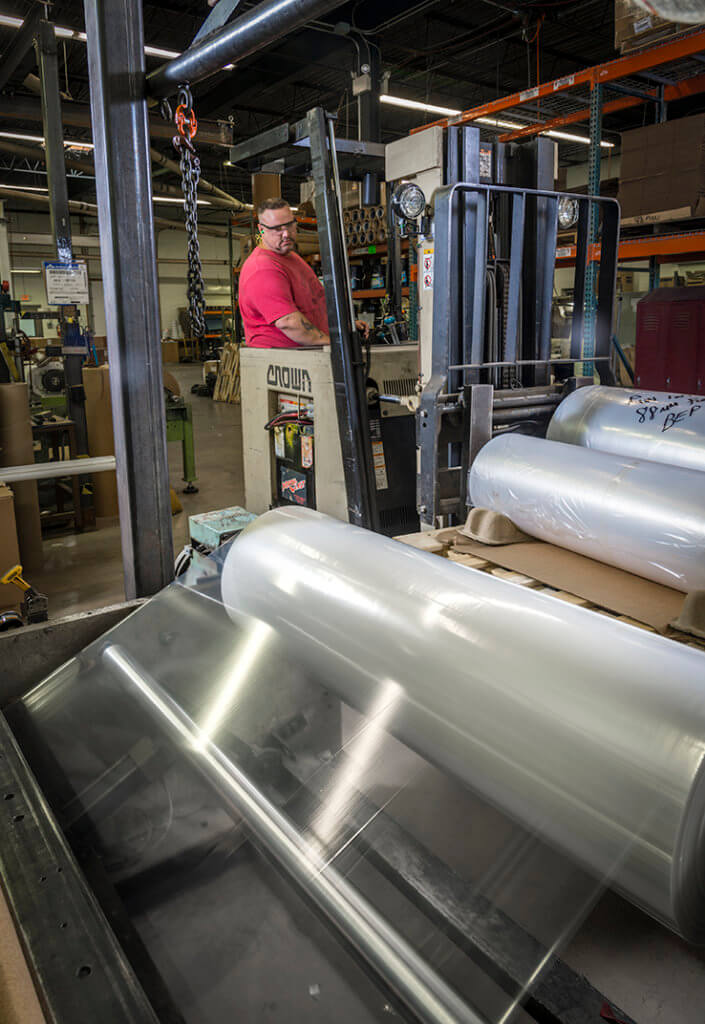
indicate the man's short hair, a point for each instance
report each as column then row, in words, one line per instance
column 271, row 204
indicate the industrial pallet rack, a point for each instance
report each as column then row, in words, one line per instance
column 660, row 74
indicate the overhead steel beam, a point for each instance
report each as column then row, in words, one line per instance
column 47, row 59
column 218, row 16
column 59, row 212
column 91, row 210
column 78, row 115
column 116, row 66
column 203, row 185
column 264, row 24
column 15, row 53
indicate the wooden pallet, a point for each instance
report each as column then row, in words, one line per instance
column 227, row 385
column 440, row 542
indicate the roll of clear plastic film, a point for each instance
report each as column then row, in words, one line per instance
column 641, row 516
column 587, row 730
column 654, row 425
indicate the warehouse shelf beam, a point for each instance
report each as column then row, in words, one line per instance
column 684, row 46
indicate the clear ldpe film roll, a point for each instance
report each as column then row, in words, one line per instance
column 645, row 517
column 654, row 425
column 586, row 730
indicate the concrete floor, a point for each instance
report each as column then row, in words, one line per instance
column 83, row 571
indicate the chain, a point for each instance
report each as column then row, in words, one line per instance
column 190, row 165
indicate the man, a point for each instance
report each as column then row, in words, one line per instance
column 282, row 302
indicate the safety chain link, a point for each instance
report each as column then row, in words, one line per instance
column 190, row 165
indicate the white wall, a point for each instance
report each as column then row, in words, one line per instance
column 610, row 167
column 171, row 245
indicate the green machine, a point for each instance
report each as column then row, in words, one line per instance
column 179, row 427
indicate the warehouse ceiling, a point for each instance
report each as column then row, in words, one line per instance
column 456, row 53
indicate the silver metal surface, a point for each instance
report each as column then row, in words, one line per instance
column 49, row 470
column 588, row 730
column 639, row 515
column 264, row 24
column 79, row 969
column 116, row 65
column 654, row 425
column 411, row 977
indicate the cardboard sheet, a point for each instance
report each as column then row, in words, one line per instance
column 18, row 998
column 614, row 589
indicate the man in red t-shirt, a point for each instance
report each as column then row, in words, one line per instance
column 282, row 302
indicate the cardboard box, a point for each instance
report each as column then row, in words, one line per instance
column 17, row 449
column 636, row 28
column 10, row 596
column 170, row 351
column 663, row 171
column 99, row 421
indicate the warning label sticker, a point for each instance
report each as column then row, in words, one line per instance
column 378, row 459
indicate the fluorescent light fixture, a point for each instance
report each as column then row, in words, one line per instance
column 176, row 199
column 21, row 270
column 495, row 122
column 21, row 137
column 157, row 51
column 25, row 188
column 68, row 33
column 577, row 138
column 399, row 101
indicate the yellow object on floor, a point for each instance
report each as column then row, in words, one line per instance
column 176, row 505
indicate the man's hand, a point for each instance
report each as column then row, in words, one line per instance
column 299, row 329
column 363, row 328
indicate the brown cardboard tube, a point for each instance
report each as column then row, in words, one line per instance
column 16, row 449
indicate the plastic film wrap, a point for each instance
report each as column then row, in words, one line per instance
column 641, row 516
column 585, row 729
column 654, row 425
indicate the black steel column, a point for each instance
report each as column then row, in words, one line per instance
column 128, row 256
column 345, row 349
column 47, row 59
column 368, row 119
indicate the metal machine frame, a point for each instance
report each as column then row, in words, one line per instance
column 457, row 403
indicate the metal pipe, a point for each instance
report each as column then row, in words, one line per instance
column 203, row 185
column 524, row 397
column 27, row 108
column 264, row 24
column 49, row 470
column 522, row 412
column 638, row 515
column 586, row 730
column 91, row 210
column 524, row 362
column 654, row 425
column 387, row 952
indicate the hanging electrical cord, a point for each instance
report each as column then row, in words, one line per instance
column 190, row 165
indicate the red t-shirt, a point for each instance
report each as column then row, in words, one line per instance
column 272, row 286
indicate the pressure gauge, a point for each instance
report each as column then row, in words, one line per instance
column 408, row 201
column 567, row 212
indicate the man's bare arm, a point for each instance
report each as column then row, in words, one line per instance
column 299, row 329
